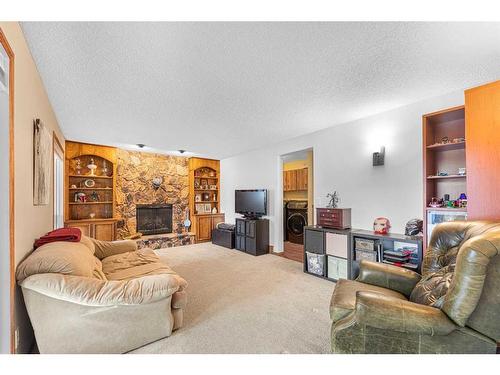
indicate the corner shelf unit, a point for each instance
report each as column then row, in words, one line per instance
column 440, row 155
column 90, row 197
column 204, row 197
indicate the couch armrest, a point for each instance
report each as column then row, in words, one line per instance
column 389, row 313
column 104, row 249
column 388, row 276
column 94, row 292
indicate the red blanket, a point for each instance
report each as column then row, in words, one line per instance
column 62, row 234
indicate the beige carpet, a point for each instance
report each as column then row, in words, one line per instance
column 238, row 303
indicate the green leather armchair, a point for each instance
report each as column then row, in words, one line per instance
column 453, row 307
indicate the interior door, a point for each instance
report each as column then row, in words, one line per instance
column 204, row 228
column 104, row 231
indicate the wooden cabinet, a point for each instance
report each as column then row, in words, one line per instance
column 204, row 197
column 301, row 176
column 90, row 193
column 104, row 230
column 204, row 228
column 482, row 126
column 339, row 218
column 295, row 180
column 289, row 180
column 205, row 224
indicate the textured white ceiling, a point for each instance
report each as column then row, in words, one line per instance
column 218, row 89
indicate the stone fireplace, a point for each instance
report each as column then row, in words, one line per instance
column 154, row 218
column 136, row 172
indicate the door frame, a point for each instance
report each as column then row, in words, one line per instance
column 6, row 46
column 281, row 220
column 57, row 148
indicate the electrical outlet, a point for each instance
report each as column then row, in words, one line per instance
column 16, row 339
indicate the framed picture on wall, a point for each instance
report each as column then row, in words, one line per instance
column 208, row 208
column 42, row 155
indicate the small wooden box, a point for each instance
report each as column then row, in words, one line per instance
column 338, row 218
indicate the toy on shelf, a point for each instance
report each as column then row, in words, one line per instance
column 381, row 225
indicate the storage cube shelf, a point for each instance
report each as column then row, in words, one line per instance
column 335, row 254
column 330, row 248
column 396, row 249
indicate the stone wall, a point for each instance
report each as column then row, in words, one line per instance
column 134, row 185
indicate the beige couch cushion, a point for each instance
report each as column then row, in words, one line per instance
column 68, row 258
column 87, row 241
column 131, row 265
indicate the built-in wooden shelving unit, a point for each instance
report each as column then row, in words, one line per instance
column 444, row 146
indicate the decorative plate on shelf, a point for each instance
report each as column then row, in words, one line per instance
column 89, row 183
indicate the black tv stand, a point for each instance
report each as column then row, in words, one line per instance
column 252, row 217
column 252, row 235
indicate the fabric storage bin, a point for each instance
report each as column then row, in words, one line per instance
column 336, row 268
column 315, row 263
column 336, row 244
column 366, row 254
column 364, row 244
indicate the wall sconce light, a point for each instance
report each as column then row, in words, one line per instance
column 378, row 157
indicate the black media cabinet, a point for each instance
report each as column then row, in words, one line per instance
column 252, row 236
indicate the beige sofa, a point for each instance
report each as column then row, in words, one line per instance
column 99, row 297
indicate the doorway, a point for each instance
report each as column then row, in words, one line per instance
column 298, row 201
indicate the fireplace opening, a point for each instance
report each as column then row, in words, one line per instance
column 154, row 218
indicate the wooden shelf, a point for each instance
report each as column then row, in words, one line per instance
column 206, row 178
column 89, row 220
column 86, row 188
column 446, row 146
column 86, row 203
column 446, row 124
column 88, row 176
column 446, row 177
column 206, row 189
column 205, row 202
column 450, row 209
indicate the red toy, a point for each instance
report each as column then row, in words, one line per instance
column 381, row 225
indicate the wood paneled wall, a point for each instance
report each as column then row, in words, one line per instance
column 482, row 118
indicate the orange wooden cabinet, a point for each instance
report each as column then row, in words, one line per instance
column 482, row 134
column 302, row 179
column 289, row 180
column 204, row 197
column 295, row 179
column 205, row 224
column 104, row 230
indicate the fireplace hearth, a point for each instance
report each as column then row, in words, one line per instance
column 154, row 218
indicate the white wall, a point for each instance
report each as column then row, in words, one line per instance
column 343, row 162
column 31, row 101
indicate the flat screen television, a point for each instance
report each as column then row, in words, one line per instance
column 251, row 203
